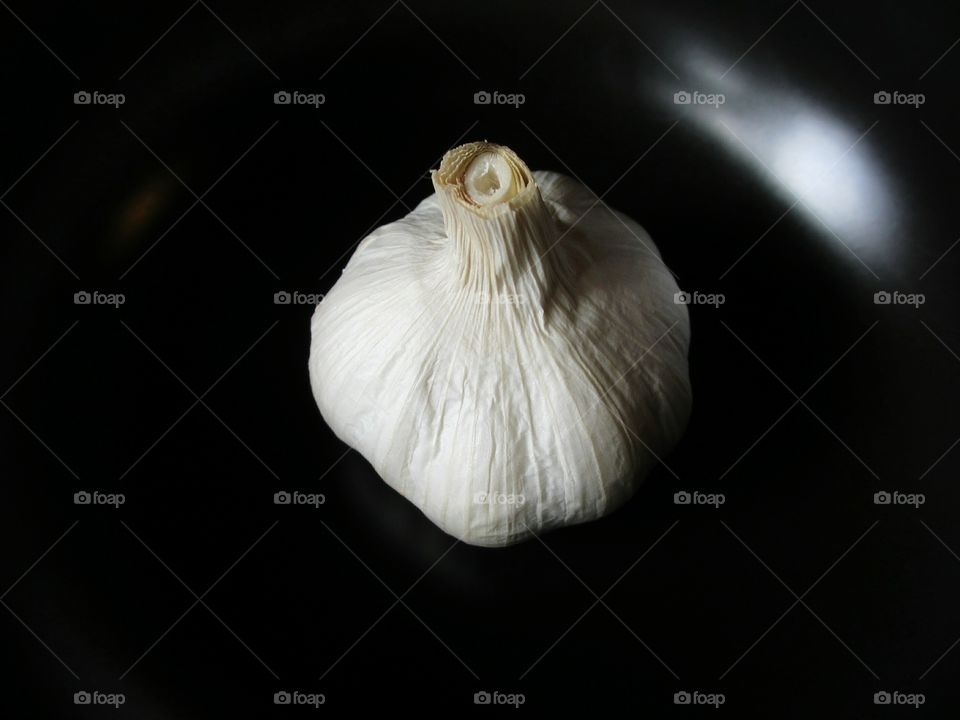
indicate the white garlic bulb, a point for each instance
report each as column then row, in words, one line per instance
column 510, row 356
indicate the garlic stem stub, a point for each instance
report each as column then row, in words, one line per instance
column 509, row 356
column 489, row 179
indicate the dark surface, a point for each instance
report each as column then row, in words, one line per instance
column 799, row 595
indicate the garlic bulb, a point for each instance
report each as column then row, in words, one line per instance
column 510, row 356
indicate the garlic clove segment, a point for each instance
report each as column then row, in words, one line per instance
column 509, row 356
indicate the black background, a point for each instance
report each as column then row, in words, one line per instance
column 798, row 595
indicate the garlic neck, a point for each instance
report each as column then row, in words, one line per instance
column 498, row 227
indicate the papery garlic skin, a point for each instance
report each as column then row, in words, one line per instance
column 510, row 356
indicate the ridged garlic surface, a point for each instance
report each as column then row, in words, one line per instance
column 510, row 356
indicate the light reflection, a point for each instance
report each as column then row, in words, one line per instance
column 803, row 150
